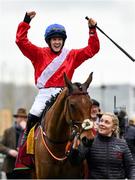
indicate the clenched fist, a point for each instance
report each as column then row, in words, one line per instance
column 91, row 23
column 29, row 16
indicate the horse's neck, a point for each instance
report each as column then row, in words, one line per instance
column 55, row 123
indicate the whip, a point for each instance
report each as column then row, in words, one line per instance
column 118, row 46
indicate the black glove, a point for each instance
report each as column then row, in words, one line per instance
column 27, row 18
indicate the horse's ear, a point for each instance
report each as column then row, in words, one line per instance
column 68, row 83
column 88, row 81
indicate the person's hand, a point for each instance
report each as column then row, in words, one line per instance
column 76, row 142
column 23, row 124
column 92, row 23
column 13, row 153
column 31, row 14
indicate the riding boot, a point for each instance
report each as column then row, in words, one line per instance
column 32, row 120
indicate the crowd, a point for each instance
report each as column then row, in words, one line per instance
column 108, row 156
column 10, row 144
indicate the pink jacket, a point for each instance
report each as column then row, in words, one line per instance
column 42, row 58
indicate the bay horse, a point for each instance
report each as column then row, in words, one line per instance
column 71, row 109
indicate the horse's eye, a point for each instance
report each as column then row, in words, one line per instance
column 72, row 107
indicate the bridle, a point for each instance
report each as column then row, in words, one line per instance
column 74, row 129
column 74, row 124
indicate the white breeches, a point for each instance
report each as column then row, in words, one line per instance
column 40, row 100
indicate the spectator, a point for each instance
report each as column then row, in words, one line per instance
column 108, row 157
column 9, row 144
column 95, row 112
column 130, row 136
column 123, row 120
column 95, row 115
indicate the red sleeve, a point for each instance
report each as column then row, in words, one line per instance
column 89, row 51
column 27, row 48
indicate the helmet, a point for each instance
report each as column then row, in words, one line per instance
column 55, row 30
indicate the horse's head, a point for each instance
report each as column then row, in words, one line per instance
column 78, row 105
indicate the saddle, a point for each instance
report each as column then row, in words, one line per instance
column 25, row 159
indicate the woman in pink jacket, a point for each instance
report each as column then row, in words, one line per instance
column 51, row 62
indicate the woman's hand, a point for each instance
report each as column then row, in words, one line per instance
column 76, row 142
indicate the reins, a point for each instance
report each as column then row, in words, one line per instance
column 45, row 144
column 53, row 141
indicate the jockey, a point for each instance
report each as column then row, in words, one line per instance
column 51, row 62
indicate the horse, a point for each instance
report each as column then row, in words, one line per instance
column 70, row 110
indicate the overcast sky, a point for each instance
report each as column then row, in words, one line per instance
column 115, row 17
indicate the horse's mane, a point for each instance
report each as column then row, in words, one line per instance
column 53, row 98
column 50, row 102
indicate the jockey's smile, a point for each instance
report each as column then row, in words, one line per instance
column 56, row 43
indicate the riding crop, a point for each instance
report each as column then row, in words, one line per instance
column 113, row 42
